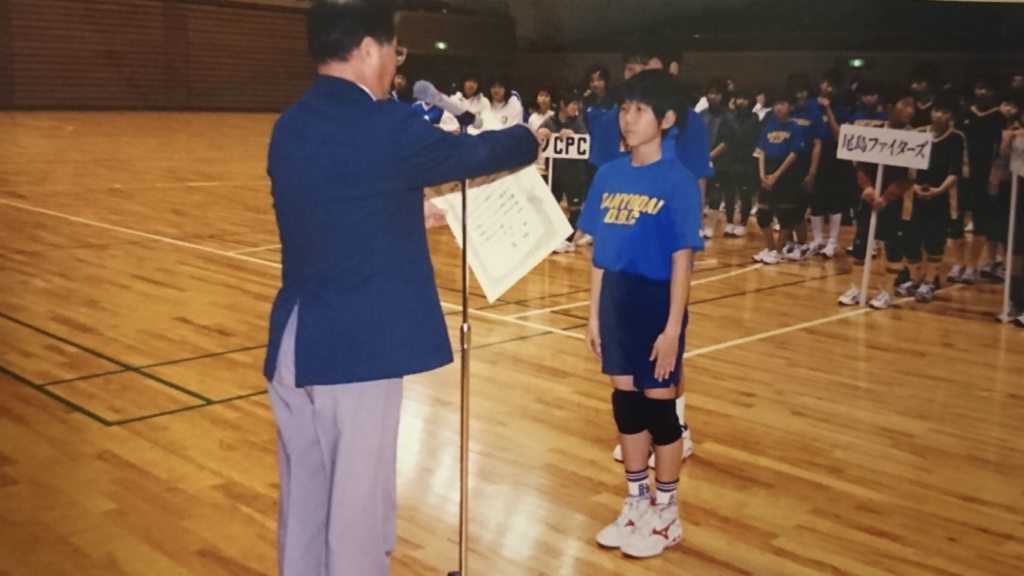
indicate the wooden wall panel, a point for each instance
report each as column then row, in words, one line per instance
column 245, row 59
column 86, row 54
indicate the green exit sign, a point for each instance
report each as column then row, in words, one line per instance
column 857, row 63
column 441, row 45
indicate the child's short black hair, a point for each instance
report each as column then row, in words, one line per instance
column 834, row 77
column 334, row 30
column 659, row 90
column 565, row 95
column 718, row 85
column 947, row 103
column 499, row 80
column 925, row 73
column 600, row 69
column 895, row 94
column 642, row 48
column 781, row 96
column 798, row 83
column 471, row 75
column 867, row 88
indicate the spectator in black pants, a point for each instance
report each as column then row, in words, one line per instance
column 569, row 180
column 721, row 129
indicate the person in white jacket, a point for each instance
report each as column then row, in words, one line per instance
column 506, row 109
column 469, row 98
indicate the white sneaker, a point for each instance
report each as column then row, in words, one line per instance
column 882, row 301
column 585, row 240
column 687, row 448
column 925, row 294
column 1019, row 322
column 772, row 258
column 759, row 257
column 740, row 231
column 789, row 248
column 634, row 511
column 907, row 288
column 815, row 248
column 730, row 230
column 970, row 277
column 830, row 250
column 955, row 275
column 800, row 252
column 565, row 247
column 709, row 232
column 851, row 297
column 969, row 228
column 659, row 529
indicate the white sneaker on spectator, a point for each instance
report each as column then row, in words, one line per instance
column 956, row 274
column 709, row 232
column 772, row 258
column 851, row 297
column 800, row 252
column 882, row 301
column 730, row 230
column 740, row 231
column 585, row 240
column 815, row 248
column 907, row 288
column 830, row 250
column 1009, row 316
column 970, row 277
column 925, row 294
column 759, row 257
column 565, row 247
column 789, row 247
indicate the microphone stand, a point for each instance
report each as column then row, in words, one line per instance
column 465, row 339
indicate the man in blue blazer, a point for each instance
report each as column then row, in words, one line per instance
column 358, row 309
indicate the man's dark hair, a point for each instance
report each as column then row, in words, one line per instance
column 659, row 90
column 834, row 77
column 642, row 48
column 599, row 69
column 335, row 29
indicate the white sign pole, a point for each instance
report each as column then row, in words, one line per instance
column 869, row 248
column 1009, row 246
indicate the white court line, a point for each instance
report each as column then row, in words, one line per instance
column 481, row 313
column 587, row 303
column 247, row 250
column 142, row 234
column 794, row 328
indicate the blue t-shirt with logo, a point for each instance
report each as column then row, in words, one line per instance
column 779, row 139
column 809, row 117
column 691, row 144
column 640, row 216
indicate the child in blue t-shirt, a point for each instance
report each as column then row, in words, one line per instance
column 782, row 143
column 644, row 212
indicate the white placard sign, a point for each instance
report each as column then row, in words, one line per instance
column 514, row 224
column 1017, row 156
column 904, row 148
column 576, row 147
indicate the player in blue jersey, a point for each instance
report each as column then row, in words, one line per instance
column 779, row 150
column 644, row 212
column 807, row 113
column 689, row 142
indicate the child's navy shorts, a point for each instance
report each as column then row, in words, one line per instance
column 633, row 313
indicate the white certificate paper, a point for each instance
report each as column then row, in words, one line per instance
column 514, row 224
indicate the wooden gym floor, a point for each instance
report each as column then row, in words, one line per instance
column 137, row 267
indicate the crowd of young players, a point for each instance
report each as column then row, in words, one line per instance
column 773, row 157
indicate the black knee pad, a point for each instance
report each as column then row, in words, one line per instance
column 663, row 422
column 630, row 411
column 764, row 216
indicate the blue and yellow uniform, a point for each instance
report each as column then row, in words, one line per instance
column 809, row 117
column 640, row 216
column 778, row 140
column 869, row 118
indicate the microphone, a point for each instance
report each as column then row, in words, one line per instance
column 426, row 92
